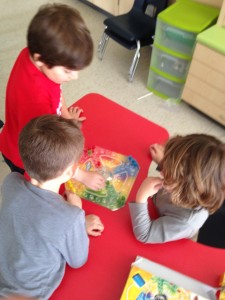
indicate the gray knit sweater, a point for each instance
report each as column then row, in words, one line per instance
column 173, row 223
column 39, row 233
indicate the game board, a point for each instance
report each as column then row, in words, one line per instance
column 144, row 284
column 120, row 172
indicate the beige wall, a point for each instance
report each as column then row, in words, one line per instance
column 216, row 3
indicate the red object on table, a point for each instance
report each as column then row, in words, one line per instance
column 103, row 277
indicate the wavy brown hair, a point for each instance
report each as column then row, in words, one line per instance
column 194, row 171
column 58, row 33
column 48, row 145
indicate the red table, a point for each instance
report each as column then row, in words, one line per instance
column 103, row 277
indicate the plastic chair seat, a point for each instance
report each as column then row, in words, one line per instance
column 132, row 30
column 132, row 26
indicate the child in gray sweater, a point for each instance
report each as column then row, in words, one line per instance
column 191, row 186
column 39, row 231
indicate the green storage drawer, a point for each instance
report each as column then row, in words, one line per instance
column 170, row 62
column 178, row 25
column 163, row 85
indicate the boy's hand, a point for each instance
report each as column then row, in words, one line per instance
column 94, row 225
column 76, row 113
column 149, row 187
column 73, row 199
column 92, row 180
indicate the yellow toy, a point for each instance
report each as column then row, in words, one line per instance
column 222, row 285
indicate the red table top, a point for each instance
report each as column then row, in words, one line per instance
column 113, row 127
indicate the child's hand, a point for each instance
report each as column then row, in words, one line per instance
column 73, row 199
column 94, row 225
column 157, row 152
column 75, row 113
column 92, row 180
column 149, row 187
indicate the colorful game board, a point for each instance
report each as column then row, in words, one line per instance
column 144, row 285
column 120, row 172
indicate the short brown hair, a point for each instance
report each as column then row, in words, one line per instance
column 194, row 171
column 48, row 145
column 58, row 33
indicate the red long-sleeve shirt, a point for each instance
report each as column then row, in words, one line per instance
column 29, row 94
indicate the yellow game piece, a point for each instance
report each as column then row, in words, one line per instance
column 222, row 295
column 222, row 280
column 71, row 187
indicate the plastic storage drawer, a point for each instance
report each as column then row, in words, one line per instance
column 168, row 62
column 174, row 38
column 178, row 25
column 163, row 86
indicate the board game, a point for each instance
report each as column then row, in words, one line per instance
column 150, row 281
column 120, row 172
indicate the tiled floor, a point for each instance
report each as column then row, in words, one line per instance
column 107, row 77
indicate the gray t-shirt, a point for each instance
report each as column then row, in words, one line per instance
column 39, row 233
column 173, row 223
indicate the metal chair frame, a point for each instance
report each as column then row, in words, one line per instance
column 157, row 6
column 101, row 51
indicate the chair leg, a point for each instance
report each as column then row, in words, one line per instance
column 1, row 123
column 134, row 62
column 102, row 45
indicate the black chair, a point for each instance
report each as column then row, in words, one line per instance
column 212, row 232
column 1, row 123
column 134, row 29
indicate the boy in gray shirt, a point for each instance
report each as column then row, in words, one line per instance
column 39, row 231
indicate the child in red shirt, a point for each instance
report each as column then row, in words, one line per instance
column 59, row 45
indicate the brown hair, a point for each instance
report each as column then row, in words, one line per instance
column 58, row 33
column 194, row 171
column 48, row 145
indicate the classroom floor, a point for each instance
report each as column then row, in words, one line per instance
column 107, row 77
